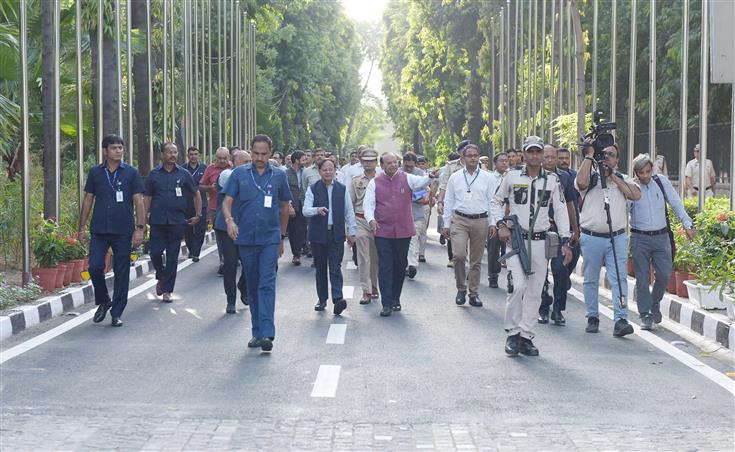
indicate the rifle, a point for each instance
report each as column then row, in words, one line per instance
column 517, row 244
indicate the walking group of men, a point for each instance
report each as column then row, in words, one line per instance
column 531, row 208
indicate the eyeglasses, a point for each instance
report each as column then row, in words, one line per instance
column 610, row 154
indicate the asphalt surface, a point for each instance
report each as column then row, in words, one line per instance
column 435, row 375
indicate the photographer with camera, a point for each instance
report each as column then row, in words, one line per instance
column 601, row 186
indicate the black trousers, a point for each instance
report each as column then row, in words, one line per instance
column 231, row 254
column 392, row 263
column 194, row 237
column 166, row 237
column 495, row 248
column 98, row 246
column 297, row 233
column 328, row 262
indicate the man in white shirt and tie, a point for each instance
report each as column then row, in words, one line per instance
column 467, row 219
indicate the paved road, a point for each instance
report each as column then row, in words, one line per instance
column 432, row 377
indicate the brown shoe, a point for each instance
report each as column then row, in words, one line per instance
column 375, row 294
column 366, row 298
column 159, row 289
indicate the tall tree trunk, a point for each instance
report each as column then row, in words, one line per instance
column 351, row 124
column 285, row 125
column 474, row 104
column 49, row 120
column 109, row 82
column 140, row 85
column 579, row 61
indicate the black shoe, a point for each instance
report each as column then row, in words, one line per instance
column 386, row 312
column 244, row 300
column 646, row 323
column 510, row 283
column 593, row 325
column 411, row 271
column 558, row 318
column 254, row 343
column 442, row 240
column 397, row 307
column 116, row 321
column 511, row 344
column 492, row 281
column 543, row 318
column 320, row 305
column 340, row 306
column 230, row 308
column 195, row 259
column 622, row 328
column 102, row 312
column 266, row 344
column 475, row 301
column 461, row 298
column 422, row 259
column 527, row 348
column 221, row 270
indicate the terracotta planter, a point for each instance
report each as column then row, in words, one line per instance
column 671, row 288
column 108, row 262
column 681, row 289
column 69, row 272
column 46, row 277
column 76, row 275
column 60, row 275
column 631, row 271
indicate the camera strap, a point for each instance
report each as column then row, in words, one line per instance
column 666, row 212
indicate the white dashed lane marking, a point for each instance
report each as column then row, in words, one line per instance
column 336, row 334
column 326, row 382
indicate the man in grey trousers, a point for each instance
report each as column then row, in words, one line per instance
column 650, row 243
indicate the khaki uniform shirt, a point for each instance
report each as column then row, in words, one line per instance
column 692, row 170
column 449, row 169
column 357, row 191
column 526, row 195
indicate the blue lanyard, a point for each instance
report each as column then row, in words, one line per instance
column 114, row 178
column 469, row 184
column 266, row 182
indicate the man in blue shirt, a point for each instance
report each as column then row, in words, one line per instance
column 650, row 239
column 262, row 196
column 194, row 235
column 113, row 187
column 167, row 189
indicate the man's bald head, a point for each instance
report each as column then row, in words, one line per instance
column 241, row 157
column 223, row 157
column 550, row 157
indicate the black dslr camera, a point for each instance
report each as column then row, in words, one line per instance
column 599, row 135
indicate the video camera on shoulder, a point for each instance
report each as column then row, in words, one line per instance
column 599, row 135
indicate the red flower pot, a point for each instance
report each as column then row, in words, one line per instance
column 60, row 275
column 671, row 288
column 681, row 289
column 76, row 275
column 69, row 272
column 46, row 277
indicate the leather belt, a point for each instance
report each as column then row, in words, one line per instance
column 651, row 233
column 471, row 217
column 602, row 234
column 535, row 236
column 360, row 215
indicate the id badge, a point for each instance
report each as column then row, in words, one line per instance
column 119, row 196
column 467, row 196
column 178, row 192
column 268, row 202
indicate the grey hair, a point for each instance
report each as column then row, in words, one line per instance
column 640, row 161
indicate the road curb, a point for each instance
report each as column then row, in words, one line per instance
column 20, row 318
column 711, row 326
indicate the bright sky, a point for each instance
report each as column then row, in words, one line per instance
column 367, row 11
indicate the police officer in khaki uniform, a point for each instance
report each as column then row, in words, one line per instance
column 528, row 192
column 367, row 253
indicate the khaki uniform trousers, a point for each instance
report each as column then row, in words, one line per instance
column 464, row 232
column 414, row 248
column 367, row 256
column 522, row 306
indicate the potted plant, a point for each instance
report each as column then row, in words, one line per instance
column 685, row 264
column 79, row 259
column 67, row 257
column 46, row 250
column 716, row 271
